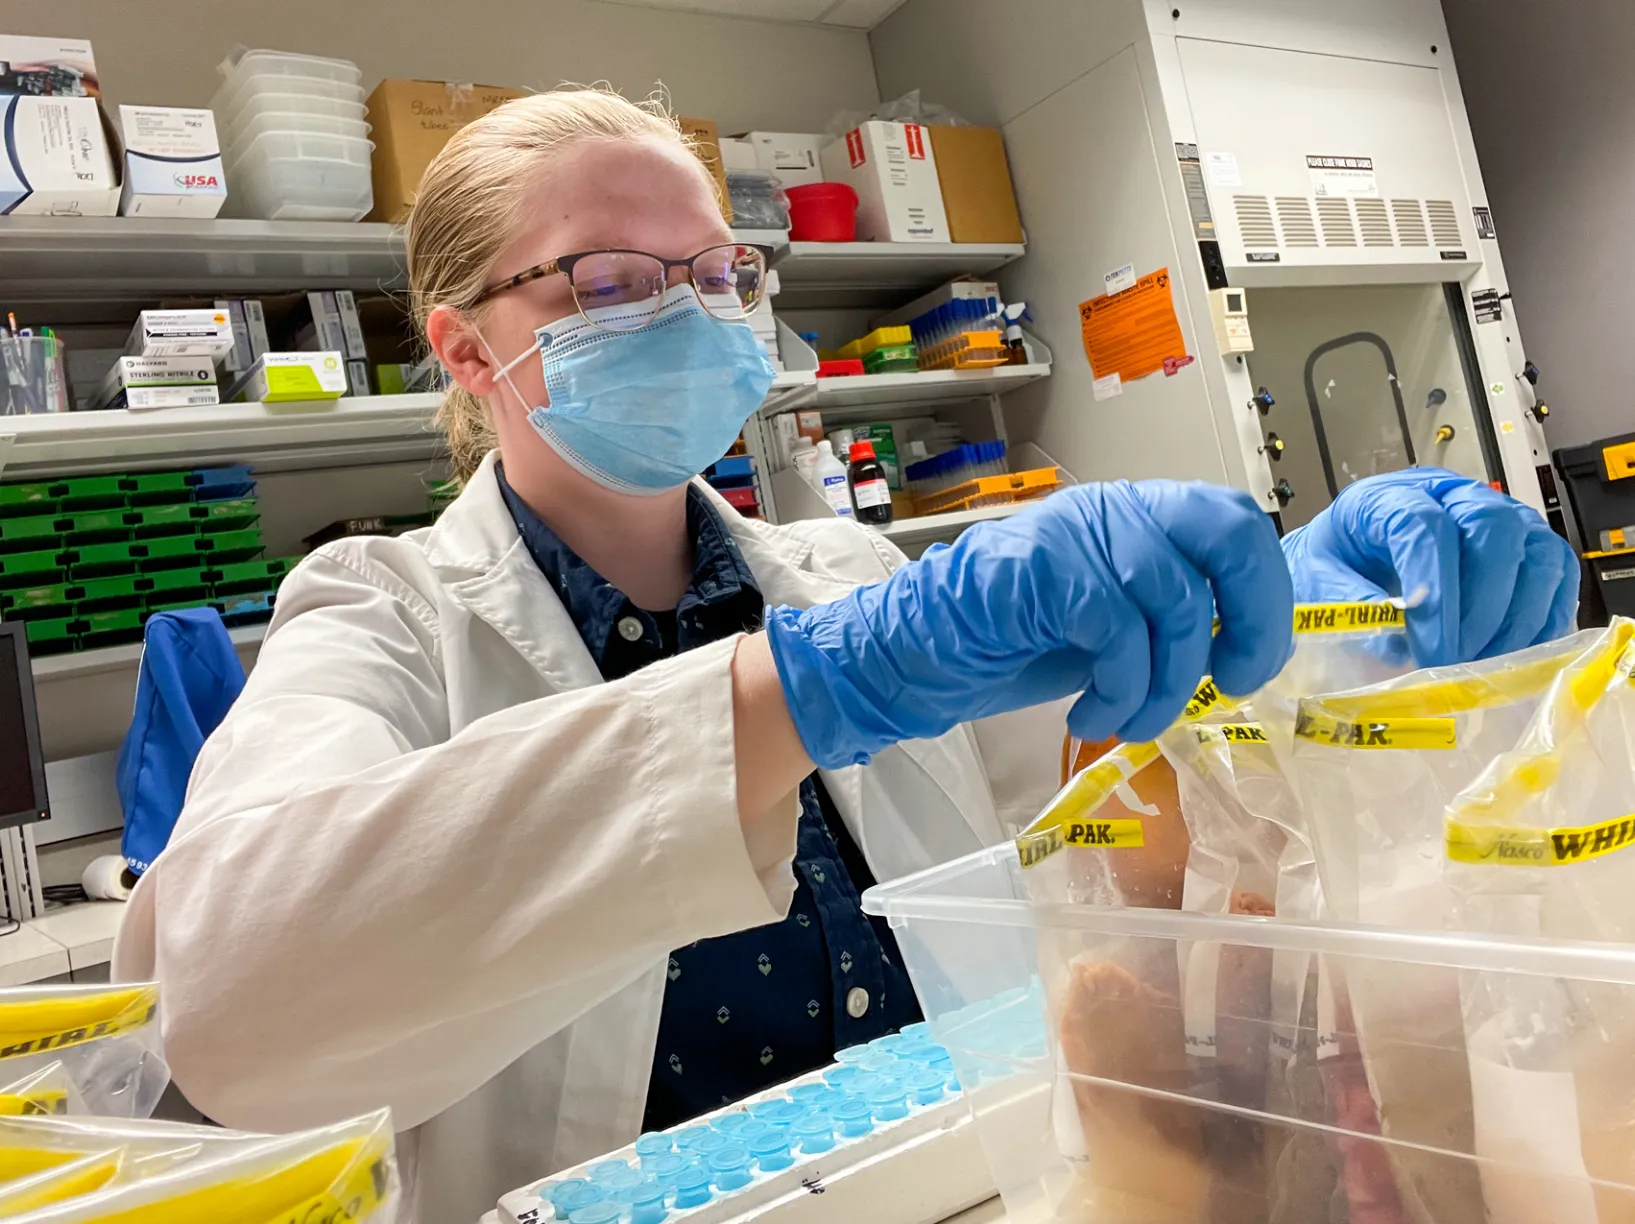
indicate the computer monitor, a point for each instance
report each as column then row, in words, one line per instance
column 22, row 766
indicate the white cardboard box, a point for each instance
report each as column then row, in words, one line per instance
column 61, row 67
column 172, row 163
column 158, row 382
column 891, row 167
column 795, row 157
column 55, row 159
column 182, row 333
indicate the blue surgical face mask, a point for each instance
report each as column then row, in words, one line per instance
column 646, row 410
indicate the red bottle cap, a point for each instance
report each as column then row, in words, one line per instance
column 862, row 450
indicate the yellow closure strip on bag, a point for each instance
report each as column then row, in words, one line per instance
column 1230, row 733
column 18, row 1162
column 1349, row 618
column 44, row 1093
column 68, row 1181
column 36, row 1021
column 1498, row 846
column 1064, row 821
column 1415, row 734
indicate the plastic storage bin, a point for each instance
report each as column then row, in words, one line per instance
column 230, row 99
column 288, row 63
column 1064, row 1029
column 293, row 176
column 301, row 111
column 262, row 122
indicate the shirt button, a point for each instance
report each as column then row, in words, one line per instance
column 857, row 1002
column 630, row 629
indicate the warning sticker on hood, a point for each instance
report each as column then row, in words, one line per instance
column 1341, row 176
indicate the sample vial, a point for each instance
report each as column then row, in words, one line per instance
column 730, row 1169
column 814, row 1133
column 692, row 1187
column 871, row 495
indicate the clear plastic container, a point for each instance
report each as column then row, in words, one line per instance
column 258, row 62
column 232, row 124
column 294, row 176
column 232, row 96
column 1095, row 1105
column 260, row 122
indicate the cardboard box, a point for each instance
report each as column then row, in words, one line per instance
column 976, row 184
column 182, row 333
column 172, row 163
column 240, row 358
column 283, row 377
column 158, row 382
column 893, row 170
column 55, row 160
column 411, row 122
column 795, row 157
column 48, row 67
column 706, row 138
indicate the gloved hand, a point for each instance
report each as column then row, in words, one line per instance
column 1494, row 576
column 1103, row 590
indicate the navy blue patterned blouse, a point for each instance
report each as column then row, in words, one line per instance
column 749, row 1010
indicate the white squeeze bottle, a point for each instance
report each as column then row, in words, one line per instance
column 830, row 478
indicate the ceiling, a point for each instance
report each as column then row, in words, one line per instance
column 848, row 14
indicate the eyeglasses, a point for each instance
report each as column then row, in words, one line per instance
column 621, row 290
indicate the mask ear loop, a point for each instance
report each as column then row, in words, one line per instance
column 505, row 370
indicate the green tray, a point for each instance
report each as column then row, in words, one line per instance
column 169, row 586
column 97, row 527
column 43, row 568
column 227, row 547
column 89, row 493
column 102, row 561
column 150, row 488
column 20, row 499
column 249, row 577
column 191, row 518
column 51, row 636
column 34, row 533
column 110, row 628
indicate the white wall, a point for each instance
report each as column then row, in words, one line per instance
column 1552, row 104
column 743, row 74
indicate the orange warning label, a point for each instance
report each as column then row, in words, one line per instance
column 1133, row 333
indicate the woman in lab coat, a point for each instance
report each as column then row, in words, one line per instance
column 487, row 778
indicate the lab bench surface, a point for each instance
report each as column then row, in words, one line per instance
column 71, row 939
column 990, row 1212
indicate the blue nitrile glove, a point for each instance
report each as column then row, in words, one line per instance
column 1495, row 578
column 1101, row 589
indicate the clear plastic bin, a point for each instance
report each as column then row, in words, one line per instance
column 230, row 98
column 259, row 123
column 308, row 106
column 294, row 176
column 288, row 63
column 1097, row 1102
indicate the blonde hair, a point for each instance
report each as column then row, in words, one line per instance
column 471, row 203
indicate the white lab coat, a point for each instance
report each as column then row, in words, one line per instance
column 431, row 860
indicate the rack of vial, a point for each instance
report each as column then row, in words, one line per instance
column 885, row 350
column 969, row 461
column 883, row 1136
column 961, row 334
column 991, row 491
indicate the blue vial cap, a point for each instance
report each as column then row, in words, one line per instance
column 918, row 1029
column 710, row 1142
column 689, row 1135
column 618, row 1183
column 840, row 1077
column 595, row 1213
column 880, row 1061
column 771, row 1152
column 805, row 1094
column 852, row 1054
column 729, row 1169
column 692, row 1187
column 926, row 1086
column 782, row 1113
column 667, row 1166
column 602, row 1169
column 852, row 1117
column 889, row 1102
column 552, row 1191
column 815, row 1133
column 652, row 1144
column 918, row 1049
column 731, row 1124
column 888, row 1043
column 579, row 1196
column 828, row 1100
column 647, row 1203
column 747, row 1135
column 864, row 1084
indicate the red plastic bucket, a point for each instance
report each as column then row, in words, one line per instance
column 822, row 212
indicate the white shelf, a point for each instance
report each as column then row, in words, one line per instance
column 45, row 259
column 817, row 275
column 907, row 391
column 326, row 433
column 928, row 528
